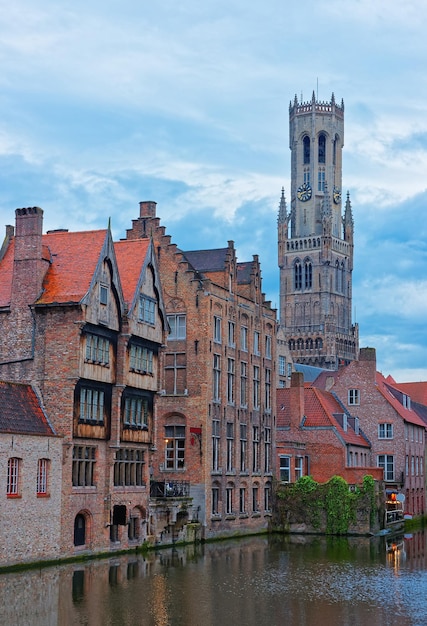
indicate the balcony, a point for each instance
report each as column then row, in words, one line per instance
column 169, row 489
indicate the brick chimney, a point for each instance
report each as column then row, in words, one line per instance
column 147, row 208
column 29, row 267
column 296, row 393
column 368, row 360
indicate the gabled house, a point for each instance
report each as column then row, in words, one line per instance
column 31, row 472
column 216, row 412
column 395, row 430
column 316, row 436
column 82, row 319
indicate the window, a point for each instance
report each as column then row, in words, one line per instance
column 175, row 447
column 140, row 359
column 412, row 465
column 256, row 386
column 255, row 499
column 217, row 378
column 256, row 343
column 229, row 500
column 215, row 445
column 91, row 406
column 386, row 462
column 297, row 275
column 306, row 150
column 129, row 468
column 177, row 325
column 268, row 347
column 217, row 329
column 289, row 370
column 135, row 413
column 353, row 396
column 268, row 389
column 385, row 431
column 255, row 448
column 13, row 477
column 175, row 372
column 285, row 469
column 215, row 501
column 230, row 446
column 231, row 334
column 230, row 381
column 147, row 310
column 267, row 450
column 103, row 295
column 267, row 498
column 42, row 476
column 243, row 447
column 83, row 466
column 97, row 349
column 242, row 500
column 282, row 365
column 308, row 275
column 307, row 176
column 322, row 149
column 243, row 383
column 244, row 338
column 406, row 401
column 321, row 180
column 299, row 467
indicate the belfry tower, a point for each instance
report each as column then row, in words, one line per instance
column 315, row 241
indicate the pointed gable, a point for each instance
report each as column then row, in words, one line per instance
column 132, row 256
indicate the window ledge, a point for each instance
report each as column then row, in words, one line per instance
column 229, row 516
column 14, row 496
column 216, row 517
column 43, row 495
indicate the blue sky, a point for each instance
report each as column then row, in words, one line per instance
column 105, row 104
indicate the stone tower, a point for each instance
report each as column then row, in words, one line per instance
column 315, row 240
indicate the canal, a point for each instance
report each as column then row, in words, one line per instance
column 254, row 581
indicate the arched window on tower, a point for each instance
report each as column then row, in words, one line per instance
column 342, row 277
column 306, row 149
column 298, row 274
column 337, row 277
column 322, row 148
column 308, row 274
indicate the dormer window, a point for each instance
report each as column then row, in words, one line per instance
column 103, row 295
column 147, row 310
column 406, row 401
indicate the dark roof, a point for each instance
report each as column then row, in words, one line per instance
column 311, row 372
column 244, row 271
column 21, row 412
column 207, row 260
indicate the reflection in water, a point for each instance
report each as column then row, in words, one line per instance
column 282, row 580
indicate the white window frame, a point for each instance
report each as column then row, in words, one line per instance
column 178, row 326
column 353, row 397
column 385, row 430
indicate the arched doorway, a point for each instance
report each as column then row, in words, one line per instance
column 79, row 530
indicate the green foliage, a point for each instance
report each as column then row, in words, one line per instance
column 330, row 506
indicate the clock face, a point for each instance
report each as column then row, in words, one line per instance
column 304, row 192
column 337, row 195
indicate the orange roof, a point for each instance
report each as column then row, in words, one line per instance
column 407, row 414
column 320, row 409
column 130, row 256
column 416, row 391
column 6, row 273
column 74, row 260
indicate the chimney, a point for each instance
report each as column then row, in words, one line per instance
column 147, row 209
column 29, row 267
column 368, row 359
column 297, row 407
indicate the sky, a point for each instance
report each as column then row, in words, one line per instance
column 186, row 103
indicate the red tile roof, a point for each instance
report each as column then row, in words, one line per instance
column 20, row 411
column 6, row 272
column 407, row 414
column 416, row 391
column 131, row 255
column 74, row 260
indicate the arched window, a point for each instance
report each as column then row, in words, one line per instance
column 79, row 530
column 306, row 149
column 298, row 275
column 319, row 343
column 308, row 274
column 322, row 149
column 337, row 276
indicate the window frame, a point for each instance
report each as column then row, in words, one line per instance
column 385, row 430
column 178, row 327
column 175, row 440
column 42, row 483
column 353, row 398
column 147, row 308
column 13, row 484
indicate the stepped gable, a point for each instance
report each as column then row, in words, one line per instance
column 20, row 411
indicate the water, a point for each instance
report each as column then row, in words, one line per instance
column 278, row 581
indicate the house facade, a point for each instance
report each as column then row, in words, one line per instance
column 394, row 428
column 215, row 411
column 82, row 320
column 316, row 436
column 31, row 478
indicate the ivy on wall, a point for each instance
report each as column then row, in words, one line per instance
column 328, row 507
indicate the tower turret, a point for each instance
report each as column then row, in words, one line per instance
column 316, row 260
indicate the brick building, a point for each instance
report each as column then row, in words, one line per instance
column 394, row 428
column 82, row 320
column 316, row 436
column 31, row 473
column 216, row 412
